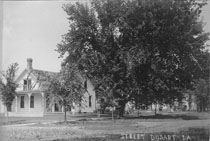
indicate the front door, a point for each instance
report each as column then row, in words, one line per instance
column 57, row 108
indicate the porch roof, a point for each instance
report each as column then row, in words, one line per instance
column 30, row 91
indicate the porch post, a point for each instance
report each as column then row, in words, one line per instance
column 43, row 102
column 29, row 102
column 62, row 110
column 16, row 108
column 53, row 108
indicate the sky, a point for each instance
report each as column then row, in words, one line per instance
column 32, row 29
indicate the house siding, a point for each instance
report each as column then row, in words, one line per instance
column 85, row 103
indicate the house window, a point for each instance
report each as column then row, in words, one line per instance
column 24, row 84
column 90, row 104
column 27, row 84
column 32, row 102
column 22, row 102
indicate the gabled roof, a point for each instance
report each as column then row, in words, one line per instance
column 21, row 75
column 42, row 73
column 36, row 74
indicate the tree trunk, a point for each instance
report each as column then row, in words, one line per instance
column 65, row 114
column 171, row 108
column 103, row 107
column 103, row 110
column 121, row 108
column 201, row 107
column 99, row 113
column 7, row 114
column 7, row 117
column 112, row 113
column 204, row 107
column 155, row 109
column 189, row 102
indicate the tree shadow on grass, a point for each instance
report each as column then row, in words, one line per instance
column 13, row 122
column 67, row 122
column 159, row 116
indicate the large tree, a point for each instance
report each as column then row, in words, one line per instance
column 8, row 86
column 139, row 50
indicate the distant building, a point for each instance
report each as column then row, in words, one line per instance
column 32, row 96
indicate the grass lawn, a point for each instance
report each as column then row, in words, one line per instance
column 46, row 118
column 181, row 126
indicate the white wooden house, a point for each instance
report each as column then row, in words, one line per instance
column 31, row 99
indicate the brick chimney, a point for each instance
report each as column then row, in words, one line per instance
column 29, row 63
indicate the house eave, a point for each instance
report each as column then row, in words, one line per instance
column 31, row 91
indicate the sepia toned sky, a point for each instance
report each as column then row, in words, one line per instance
column 32, row 29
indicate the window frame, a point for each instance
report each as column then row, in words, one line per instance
column 90, row 101
column 27, row 84
column 22, row 101
column 31, row 101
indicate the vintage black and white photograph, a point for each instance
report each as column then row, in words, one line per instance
column 105, row 70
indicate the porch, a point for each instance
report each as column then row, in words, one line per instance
column 28, row 104
column 32, row 104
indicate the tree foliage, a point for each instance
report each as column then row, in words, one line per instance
column 147, row 51
column 8, row 85
column 67, row 88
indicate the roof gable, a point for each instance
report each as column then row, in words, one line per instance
column 39, row 73
column 23, row 74
column 35, row 74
